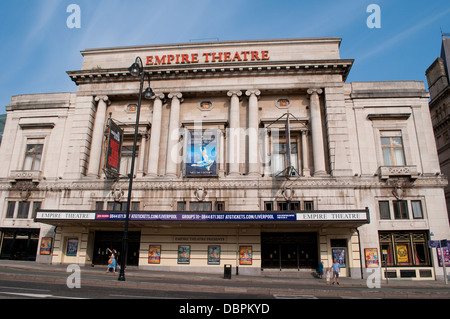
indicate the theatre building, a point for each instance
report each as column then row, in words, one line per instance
column 255, row 154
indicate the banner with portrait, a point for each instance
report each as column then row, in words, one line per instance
column 114, row 147
column 201, row 153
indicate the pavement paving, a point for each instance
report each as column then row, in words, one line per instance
column 283, row 285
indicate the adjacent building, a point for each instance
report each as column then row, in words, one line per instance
column 439, row 87
column 255, row 154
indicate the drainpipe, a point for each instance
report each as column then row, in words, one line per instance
column 360, row 254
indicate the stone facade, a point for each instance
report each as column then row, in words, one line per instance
column 363, row 177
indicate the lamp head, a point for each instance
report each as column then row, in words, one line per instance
column 135, row 69
column 148, row 93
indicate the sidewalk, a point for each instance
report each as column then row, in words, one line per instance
column 272, row 283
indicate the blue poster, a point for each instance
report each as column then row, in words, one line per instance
column 201, row 154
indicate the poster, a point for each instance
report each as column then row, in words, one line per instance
column 339, row 256
column 72, row 247
column 446, row 251
column 154, row 254
column 46, row 246
column 201, row 154
column 113, row 151
column 184, row 254
column 371, row 255
column 213, row 255
column 245, row 255
column 402, row 254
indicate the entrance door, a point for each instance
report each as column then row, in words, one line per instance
column 289, row 250
column 113, row 240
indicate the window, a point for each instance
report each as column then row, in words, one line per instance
column 392, row 147
column 33, row 155
column 122, row 206
column 400, row 209
column 404, row 249
column 200, row 206
column 385, row 212
column 220, row 206
column 288, row 205
column 10, row 209
column 417, row 209
column 24, row 207
column 125, row 160
column 279, row 161
column 181, row 206
column 36, row 206
column 268, row 206
column 309, row 205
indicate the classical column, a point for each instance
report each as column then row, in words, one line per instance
column 142, row 152
column 305, row 154
column 155, row 137
column 233, row 135
column 253, row 166
column 97, row 136
column 173, row 140
column 316, row 132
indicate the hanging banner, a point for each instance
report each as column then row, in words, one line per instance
column 201, row 153
column 115, row 137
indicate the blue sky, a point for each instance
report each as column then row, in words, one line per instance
column 38, row 47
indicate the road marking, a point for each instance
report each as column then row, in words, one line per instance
column 20, row 288
column 144, row 297
column 37, row 295
column 295, row 297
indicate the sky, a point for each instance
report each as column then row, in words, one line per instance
column 38, row 46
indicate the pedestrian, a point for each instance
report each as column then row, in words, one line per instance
column 320, row 269
column 112, row 263
column 328, row 275
column 336, row 268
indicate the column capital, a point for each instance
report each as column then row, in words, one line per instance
column 315, row 90
column 234, row 92
column 103, row 98
column 159, row 95
column 255, row 92
column 178, row 95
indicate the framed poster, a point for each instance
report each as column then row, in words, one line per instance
column 371, row 255
column 154, row 254
column 72, row 247
column 201, row 153
column 213, row 255
column 339, row 255
column 46, row 246
column 245, row 255
column 402, row 254
column 184, row 254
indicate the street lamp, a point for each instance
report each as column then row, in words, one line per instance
column 136, row 69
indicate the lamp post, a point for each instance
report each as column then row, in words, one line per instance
column 136, row 69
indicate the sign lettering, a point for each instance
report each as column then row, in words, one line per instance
column 208, row 57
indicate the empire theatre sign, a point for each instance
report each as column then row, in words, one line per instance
column 361, row 216
column 207, row 57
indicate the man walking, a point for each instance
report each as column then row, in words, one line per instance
column 336, row 269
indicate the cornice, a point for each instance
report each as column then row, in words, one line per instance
column 190, row 71
column 263, row 183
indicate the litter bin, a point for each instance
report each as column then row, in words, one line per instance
column 227, row 272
